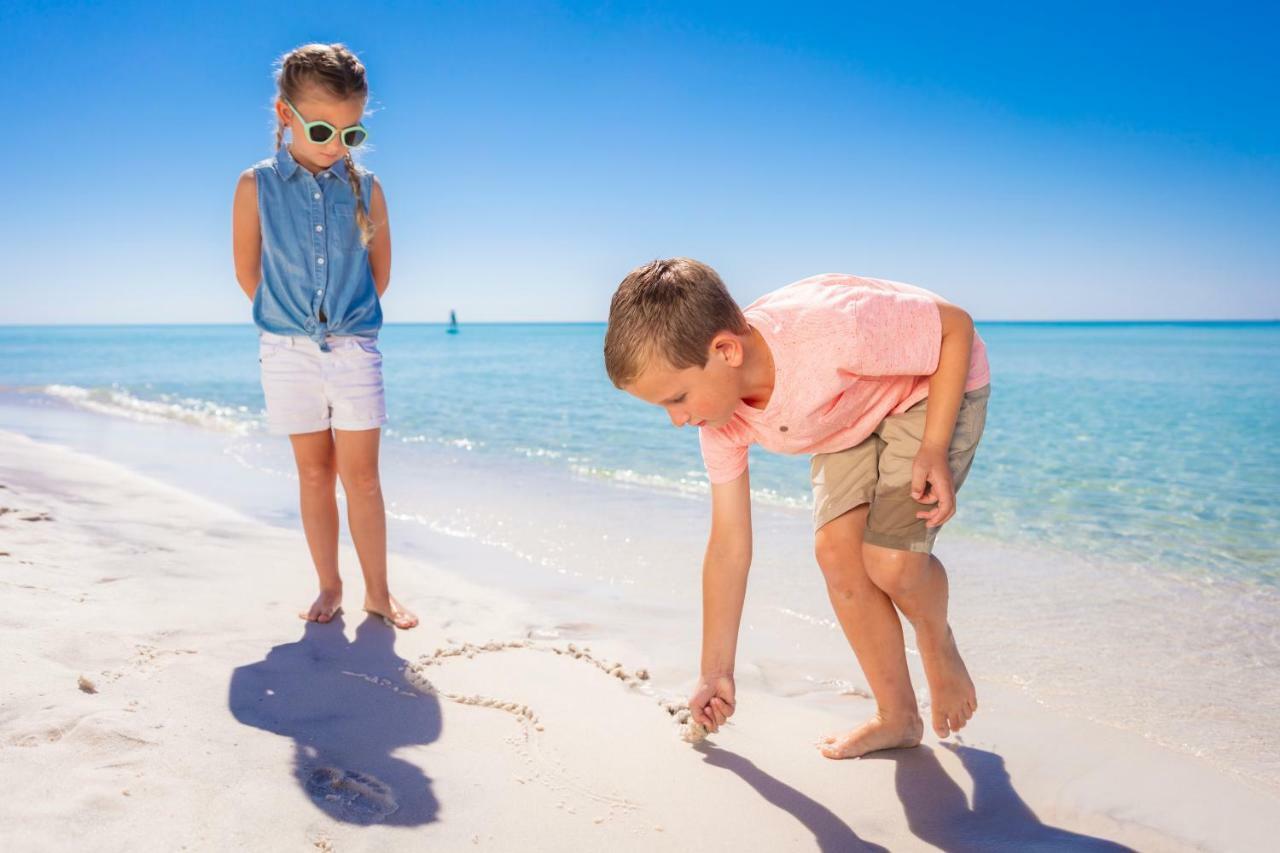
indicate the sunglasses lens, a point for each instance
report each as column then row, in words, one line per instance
column 319, row 134
column 354, row 137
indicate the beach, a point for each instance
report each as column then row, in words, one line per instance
column 162, row 694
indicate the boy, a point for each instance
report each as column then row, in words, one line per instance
column 839, row 367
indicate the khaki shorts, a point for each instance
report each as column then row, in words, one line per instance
column 878, row 472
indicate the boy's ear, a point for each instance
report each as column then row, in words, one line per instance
column 727, row 347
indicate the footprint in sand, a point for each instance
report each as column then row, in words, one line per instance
column 358, row 796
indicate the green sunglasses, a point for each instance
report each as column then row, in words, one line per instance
column 321, row 132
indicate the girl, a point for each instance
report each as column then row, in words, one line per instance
column 313, row 252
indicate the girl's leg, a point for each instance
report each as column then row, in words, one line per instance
column 357, row 455
column 871, row 625
column 317, row 472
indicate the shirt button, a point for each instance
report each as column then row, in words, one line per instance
column 319, row 260
column 782, row 428
column 319, row 227
column 316, row 195
column 320, row 292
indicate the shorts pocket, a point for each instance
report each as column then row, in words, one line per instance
column 267, row 350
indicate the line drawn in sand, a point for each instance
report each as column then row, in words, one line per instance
column 545, row 768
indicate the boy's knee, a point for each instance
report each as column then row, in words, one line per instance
column 840, row 558
column 896, row 572
column 834, row 548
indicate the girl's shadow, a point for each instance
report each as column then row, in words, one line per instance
column 347, row 707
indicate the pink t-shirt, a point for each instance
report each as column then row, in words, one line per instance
column 847, row 352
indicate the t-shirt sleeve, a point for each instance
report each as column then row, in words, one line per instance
column 895, row 333
column 724, row 455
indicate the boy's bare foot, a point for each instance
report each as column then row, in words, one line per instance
column 877, row 733
column 391, row 611
column 951, row 695
column 326, row 606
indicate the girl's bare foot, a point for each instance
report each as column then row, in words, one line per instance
column 879, row 732
column 951, row 695
column 391, row 611
column 326, row 606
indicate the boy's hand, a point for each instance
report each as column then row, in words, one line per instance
column 712, row 703
column 931, row 483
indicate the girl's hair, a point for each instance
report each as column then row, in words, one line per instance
column 337, row 72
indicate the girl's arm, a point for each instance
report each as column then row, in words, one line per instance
column 380, row 245
column 246, row 234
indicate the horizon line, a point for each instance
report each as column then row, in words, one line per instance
column 445, row 323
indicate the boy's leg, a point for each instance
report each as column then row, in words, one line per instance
column 917, row 583
column 897, row 552
column 871, row 625
column 314, row 455
column 357, row 457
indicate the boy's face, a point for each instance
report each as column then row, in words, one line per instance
column 697, row 396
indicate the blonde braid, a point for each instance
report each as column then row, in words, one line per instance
column 279, row 134
column 363, row 222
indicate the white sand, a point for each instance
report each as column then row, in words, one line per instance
column 159, row 693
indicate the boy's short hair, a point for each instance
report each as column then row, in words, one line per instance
column 671, row 309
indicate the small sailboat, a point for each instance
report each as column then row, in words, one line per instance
column 453, row 323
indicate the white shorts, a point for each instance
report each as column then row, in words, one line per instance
column 309, row 391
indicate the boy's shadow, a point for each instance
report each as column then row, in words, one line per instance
column 347, row 707
column 936, row 808
column 829, row 831
column 938, row 811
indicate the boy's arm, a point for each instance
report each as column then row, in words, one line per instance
column 724, row 588
column 931, row 474
column 246, row 234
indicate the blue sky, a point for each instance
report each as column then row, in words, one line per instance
column 1025, row 161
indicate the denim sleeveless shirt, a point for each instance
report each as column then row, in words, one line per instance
column 316, row 279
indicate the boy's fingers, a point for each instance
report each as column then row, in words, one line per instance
column 702, row 718
column 918, row 483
